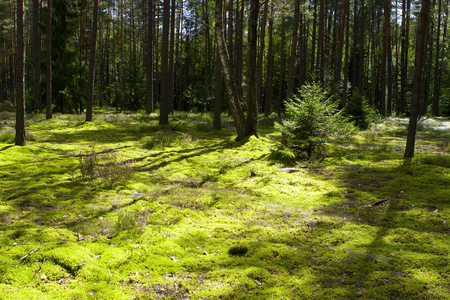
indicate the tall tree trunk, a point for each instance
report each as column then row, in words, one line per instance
column 418, row 77
column 101, row 75
column 269, row 72
column 252, row 100
column 150, row 59
column 437, row 67
column 340, row 47
column 90, row 87
column 207, row 68
column 48, row 63
column 165, row 74
column 405, row 55
column 387, row 17
column 281, row 75
column 36, row 55
column 361, row 48
column 20, row 81
column 320, row 41
column 218, row 94
column 260, row 72
column 293, row 57
column 122, row 75
column 235, row 105
column 313, row 45
column 172, row 56
column 347, row 45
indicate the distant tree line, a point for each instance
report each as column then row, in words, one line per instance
column 165, row 54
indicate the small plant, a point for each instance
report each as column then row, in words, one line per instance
column 104, row 166
column 311, row 121
column 7, row 136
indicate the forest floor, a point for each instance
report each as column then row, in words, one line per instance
column 122, row 208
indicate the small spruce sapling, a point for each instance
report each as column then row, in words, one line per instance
column 311, row 120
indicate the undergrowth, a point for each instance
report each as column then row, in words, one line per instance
column 183, row 212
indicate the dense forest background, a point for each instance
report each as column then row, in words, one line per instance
column 152, row 52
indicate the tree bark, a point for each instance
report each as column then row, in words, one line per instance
column 281, row 75
column 347, row 45
column 150, row 59
column 234, row 102
column 437, row 68
column 172, row 56
column 418, row 77
column 293, row 57
column 36, row 56
column 90, row 87
column 20, row 81
column 48, row 62
column 262, row 37
column 269, row 73
column 252, row 100
column 165, row 74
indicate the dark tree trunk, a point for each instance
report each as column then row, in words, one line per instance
column 418, row 77
column 262, row 42
column 437, row 68
column 281, row 75
column 165, row 74
column 313, row 40
column 218, row 94
column 347, row 45
column 269, row 74
column 405, row 50
column 320, row 41
column 36, row 55
column 48, row 62
column 252, row 100
column 20, row 81
column 293, row 56
column 387, row 17
column 90, row 87
column 235, row 105
column 361, row 49
column 172, row 55
column 150, row 59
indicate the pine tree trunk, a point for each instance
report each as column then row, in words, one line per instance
column 281, row 75
column 20, row 81
column 233, row 95
column 260, row 72
column 48, row 62
column 165, row 74
column 90, row 87
column 150, row 59
column 36, row 55
column 347, row 45
column 437, row 68
column 418, row 74
column 252, row 100
column 172, row 56
column 293, row 57
column 269, row 73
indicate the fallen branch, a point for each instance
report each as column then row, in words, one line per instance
column 30, row 253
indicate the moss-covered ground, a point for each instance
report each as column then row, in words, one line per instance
column 122, row 208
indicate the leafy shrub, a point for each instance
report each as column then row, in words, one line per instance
column 104, row 166
column 311, row 121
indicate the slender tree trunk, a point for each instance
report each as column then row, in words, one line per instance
column 281, row 75
column 165, row 74
column 90, row 87
column 313, row 45
column 20, row 73
column 361, row 48
column 404, row 58
column 48, row 62
column 150, row 59
column 122, row 75
column 320, row 40
column 418, row 77
column 101, row 75
column 234, row 102
column 347, row 45
column 269, row 73
column 172, row 56
column 437, row 67
column 252, row 100
column 341, row 38
column 293, row 57
column 260, row 72
column 387, row 14
column 218, row 94
column 36, row 55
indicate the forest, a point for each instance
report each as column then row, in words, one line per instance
column 224, row 149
